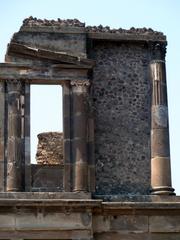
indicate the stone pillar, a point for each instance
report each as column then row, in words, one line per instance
column 67, row 131
column 79, row 125
column 27, row 138
column 160, row 150
column 2, row 137
column 14, row 136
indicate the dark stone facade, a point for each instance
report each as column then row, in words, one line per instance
column 121, row 96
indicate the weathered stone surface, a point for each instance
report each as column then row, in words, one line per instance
column 50, row 148
column 101, row 223
column 136, row 236
column 121, row 94
column 50, row 221
column 77, row 218
column 2, row 128
column 44, row 22
column 163, row 224
column 129, row 223
column 63, row 234
column 7, row 222
column 47, row 177
column 76, row 23
column 120, row 91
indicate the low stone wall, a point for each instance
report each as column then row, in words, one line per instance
column 64, row 216
column 50, row 148
column 47, row 178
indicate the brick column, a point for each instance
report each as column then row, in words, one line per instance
column 79, row 139
column 160, row 150
column 14, row 137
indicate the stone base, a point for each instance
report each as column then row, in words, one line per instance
column 52, row 216
column 164, row 190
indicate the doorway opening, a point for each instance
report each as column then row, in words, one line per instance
column 46, row 127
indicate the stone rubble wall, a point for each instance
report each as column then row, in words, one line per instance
column 122, row 102
column 31, row 21
column 50, row 148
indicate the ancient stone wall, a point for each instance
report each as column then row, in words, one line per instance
column 113, row 64
column 47, row 178
column 121, row 96
column 50, row 148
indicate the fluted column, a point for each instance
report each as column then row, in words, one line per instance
column 79, row 139
column 160, row 149
column 14, row 136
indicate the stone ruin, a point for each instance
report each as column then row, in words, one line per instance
column 50, row 148
column 114, row 181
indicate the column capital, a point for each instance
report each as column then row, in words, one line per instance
column 158, row 50
column 17, row 82
column 157, row 61
column 80, row 85
column 15, row 85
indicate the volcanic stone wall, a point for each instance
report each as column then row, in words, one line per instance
column 50, row 148
column 121, row 95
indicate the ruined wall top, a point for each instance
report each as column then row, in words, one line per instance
column 35, row 23
column 59, row 22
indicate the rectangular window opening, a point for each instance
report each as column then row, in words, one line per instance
column 46, row 124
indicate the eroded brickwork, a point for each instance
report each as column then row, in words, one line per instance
column 50, row 148
column 121, row 93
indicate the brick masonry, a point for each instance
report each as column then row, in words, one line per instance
column 50, row 148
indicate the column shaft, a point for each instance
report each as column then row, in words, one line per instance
column 2, row 142
column 26, row 136
column 79, row 149
column 160, row 149
column 14, row 135
column 67, row 179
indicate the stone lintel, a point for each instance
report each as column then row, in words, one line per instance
column 95, row 35
column 54, row 29
column 64, row 57
column 123, row 37
column 41, row 75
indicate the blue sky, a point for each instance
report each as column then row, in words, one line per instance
column 162, row 15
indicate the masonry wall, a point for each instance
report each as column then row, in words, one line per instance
column 121, row 98
column 47, row 178
column 50, row 148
